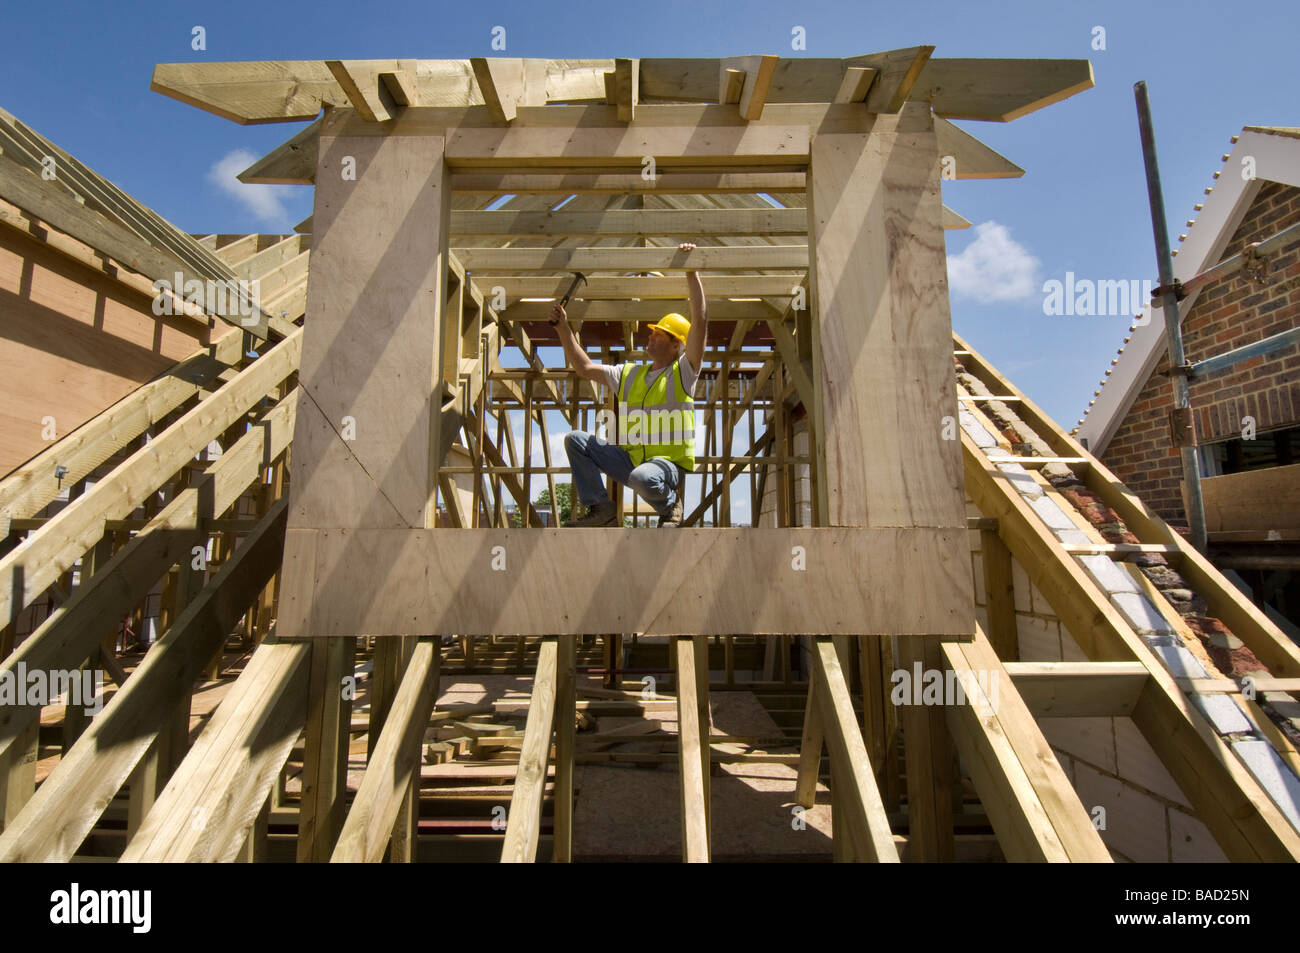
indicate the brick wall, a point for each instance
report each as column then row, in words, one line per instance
column 1228, row 314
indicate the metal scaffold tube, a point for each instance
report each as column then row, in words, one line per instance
column 1181, row 416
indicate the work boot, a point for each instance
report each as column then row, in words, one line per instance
column 602, row 514
column 674, row 518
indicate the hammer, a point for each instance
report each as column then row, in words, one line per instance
column 577, row 277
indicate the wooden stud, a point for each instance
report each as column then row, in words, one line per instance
column 210, row 806
column 524, row 821
column 928, row 751
column 395, row 762
column 999, row 590
column 566, row 712
column 324, row 769
column 693, row 754
column 862, row 813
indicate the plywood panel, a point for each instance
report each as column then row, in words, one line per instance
column 72, row 342
column 1257, row 500
column 374, row 294
column 686, row 582
column 882, row 335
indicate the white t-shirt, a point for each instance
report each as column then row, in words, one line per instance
column 610, row 374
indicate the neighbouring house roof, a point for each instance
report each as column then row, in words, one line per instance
column 1276, row 151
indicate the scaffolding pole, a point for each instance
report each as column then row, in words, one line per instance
column 1181, row 425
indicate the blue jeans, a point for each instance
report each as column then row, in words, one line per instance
column 658, row 480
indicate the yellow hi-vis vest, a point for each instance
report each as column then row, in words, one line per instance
column 653, row 423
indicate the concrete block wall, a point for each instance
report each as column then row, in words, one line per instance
column 1147, row 817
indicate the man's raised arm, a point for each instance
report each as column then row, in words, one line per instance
column 695, row 340
column 574, row 355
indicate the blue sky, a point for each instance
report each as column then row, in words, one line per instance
column 79, row 73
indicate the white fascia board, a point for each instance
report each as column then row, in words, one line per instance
column 1277, row 159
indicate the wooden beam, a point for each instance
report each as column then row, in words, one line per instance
column 506, row 83
column 39, row 560
column 711, row 258
column 669, row 182
column 952, row 221
column 18, row 774
column 999, row 90
column 397, row 88
column 758, row 72
column 211, row 803
column 1224, row 601
column 624, row 85
column 324, row 772
column 784, row 342
column 692, row 593
column 278, row 91
column 1081, row 689
column 622, row 287
column 896, row 73
column 857, row 81
column 977, row 665
column 632, row 223
column 1023, row 829
column 291, row 163
column 1000, row 595
column 693, row 752
column 395, row 762
column 96, row 193
column 1244, row 820
column 62, row 211
column 566, row 713
column 73, row 797
column 810, row 749
column 927, row 749
column 584, row 145
column 524, row 822
column 284, row 91
column 634, row 312
column 971, row 159
column 863, row 818
column 31, row 487
column 71, row 635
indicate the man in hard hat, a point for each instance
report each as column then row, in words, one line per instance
column 654, row 447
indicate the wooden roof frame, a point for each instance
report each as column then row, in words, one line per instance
column 373, row 179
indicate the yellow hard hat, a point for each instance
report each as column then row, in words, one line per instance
column 674, row 324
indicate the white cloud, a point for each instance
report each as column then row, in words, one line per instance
column 265, row 202
column 558, row 456
column 994, row 267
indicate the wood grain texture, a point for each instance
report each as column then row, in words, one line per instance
column 692, row 581
column 693, row 755
column 43, row 556
column 862, row 810
column 882, row 336
column 212, row 801
column 1071, row 822
column 394, row 763
column 70, row 802
column 374, row 293
column 524, row 822
column 1258, row 500
column 73, row 341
